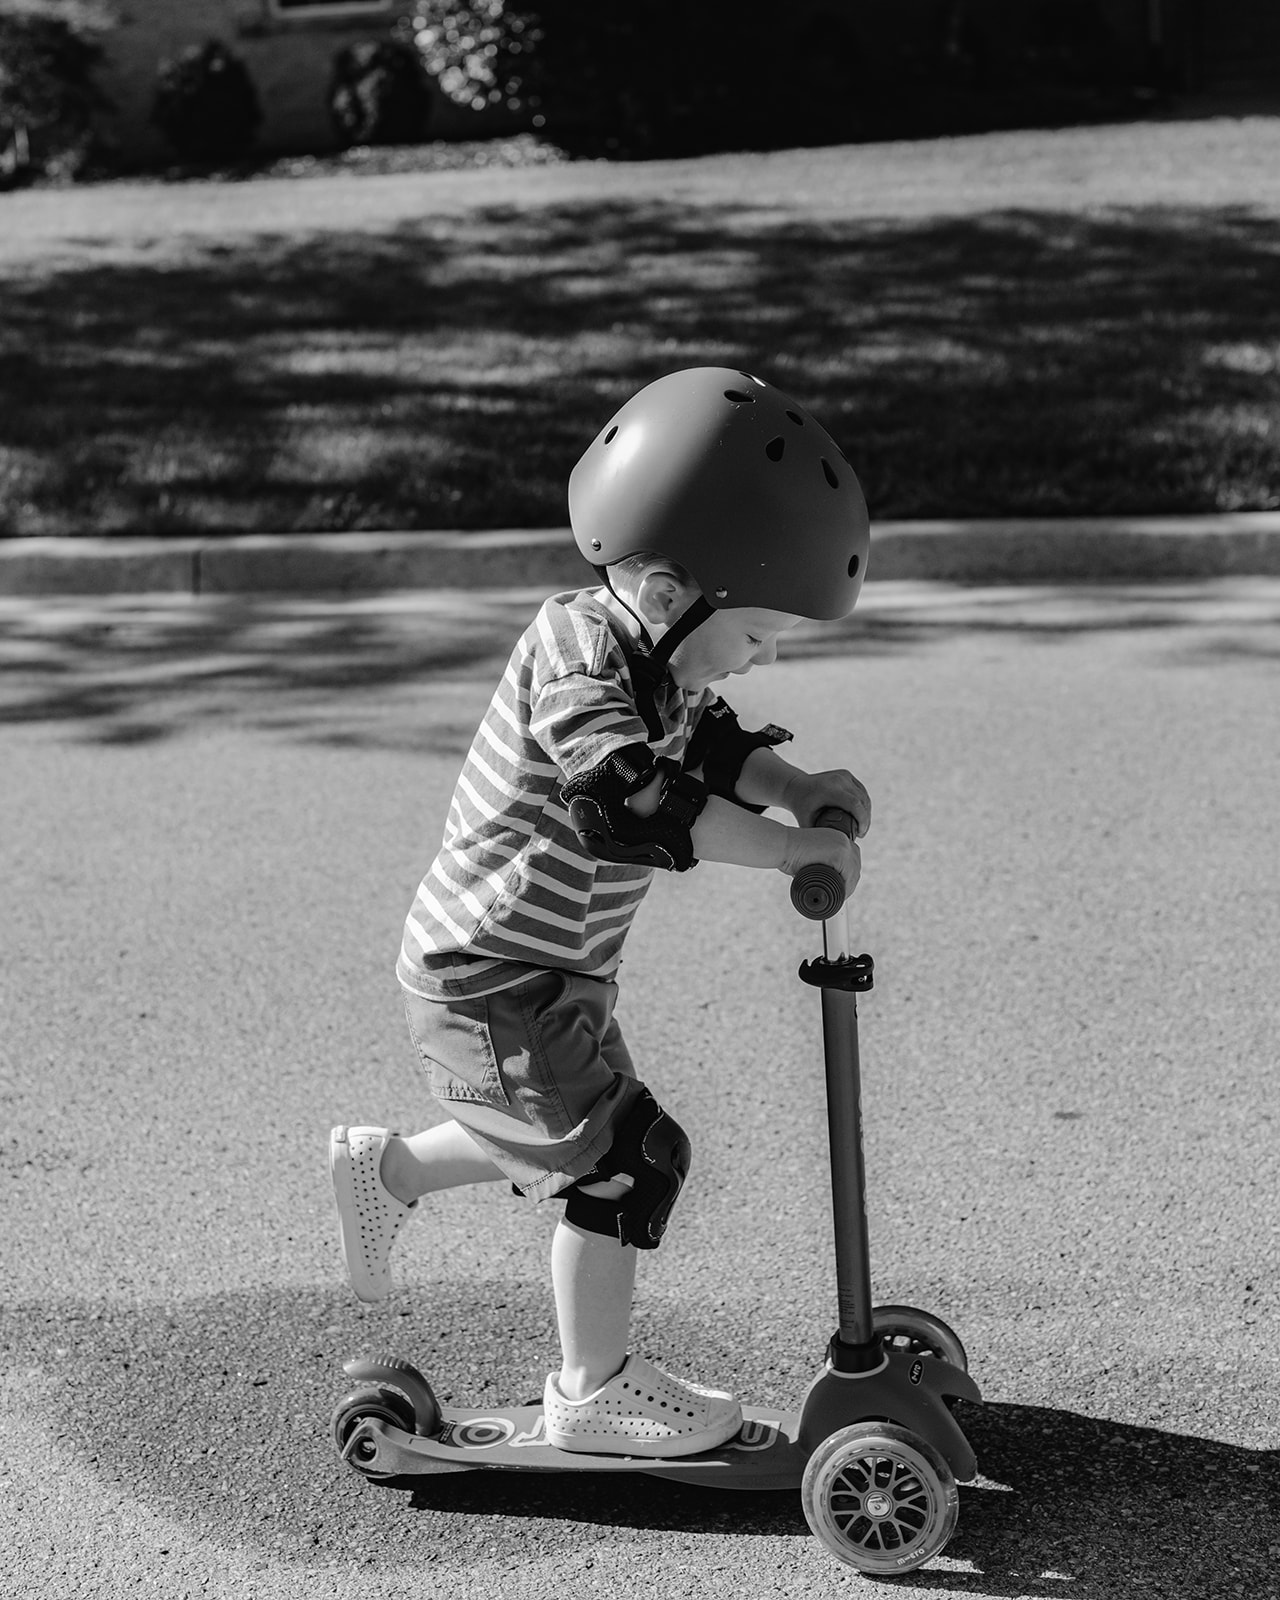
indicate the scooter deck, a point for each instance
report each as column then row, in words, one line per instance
column 763, row 1454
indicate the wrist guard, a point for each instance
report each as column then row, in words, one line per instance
column 720, row 746
column 612, row 831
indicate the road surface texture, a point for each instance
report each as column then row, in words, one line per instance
column 215, row 816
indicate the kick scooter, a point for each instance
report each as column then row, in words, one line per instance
column 874, row 1449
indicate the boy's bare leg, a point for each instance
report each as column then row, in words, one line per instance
column 594, row 1279
column 593, row 1276
column 443, row 1157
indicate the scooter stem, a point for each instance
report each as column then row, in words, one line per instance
column 841, row 975
column 841, row 979
column 848, row 1169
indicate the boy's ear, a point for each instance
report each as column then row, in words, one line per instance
column 661, row 598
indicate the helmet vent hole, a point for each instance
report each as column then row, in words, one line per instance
column 794, row 416
column 830, row 473
column 740, row 396
column 612, row 434
column 775, row 447
column 854, row 565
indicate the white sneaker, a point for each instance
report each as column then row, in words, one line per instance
column 369, row 1215
column 643, row 1411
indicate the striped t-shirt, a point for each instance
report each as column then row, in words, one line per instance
column 513, row 887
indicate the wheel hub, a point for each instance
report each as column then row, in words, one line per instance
column 880, row 1498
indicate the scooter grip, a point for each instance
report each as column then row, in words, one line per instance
column 817, row 890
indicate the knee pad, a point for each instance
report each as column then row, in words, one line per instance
column 651, row 1149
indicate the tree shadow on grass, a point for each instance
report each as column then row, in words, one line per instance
column 448, row 374
column 215, row 1411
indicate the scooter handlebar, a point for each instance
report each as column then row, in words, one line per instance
column 817, row 890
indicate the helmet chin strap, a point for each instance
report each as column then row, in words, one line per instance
column 649, row 670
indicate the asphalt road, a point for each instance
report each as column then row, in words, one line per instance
column 215, row 815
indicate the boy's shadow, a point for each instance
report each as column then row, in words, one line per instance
column 1066, row 1505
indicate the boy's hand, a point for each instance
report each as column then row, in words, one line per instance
column 808, row 793
column 805, row 845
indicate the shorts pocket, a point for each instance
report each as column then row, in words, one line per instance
column 541, row 994
column 455, row 1048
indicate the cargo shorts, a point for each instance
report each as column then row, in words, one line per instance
column 538, row 1074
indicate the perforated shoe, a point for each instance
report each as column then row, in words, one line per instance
column 643, row 1411
column 369, row 1215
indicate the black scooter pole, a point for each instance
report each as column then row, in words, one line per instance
column 818, row 892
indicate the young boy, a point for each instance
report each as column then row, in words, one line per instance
column 718, row 514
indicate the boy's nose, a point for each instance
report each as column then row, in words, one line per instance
column 766, row 654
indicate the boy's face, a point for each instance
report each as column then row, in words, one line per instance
column 729, row 642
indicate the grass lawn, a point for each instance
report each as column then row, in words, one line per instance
column 1082, row 321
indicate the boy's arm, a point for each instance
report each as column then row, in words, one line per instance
column 767, row 780
column 725, row 832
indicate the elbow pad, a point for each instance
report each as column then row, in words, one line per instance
column 598, row 810
column 720, row 746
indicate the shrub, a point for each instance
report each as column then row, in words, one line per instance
column 206, row 104
column 47, row 93
column 664, row 77
column 379, row 94
column 667, row 78
column 482, row 53
column 660, row 78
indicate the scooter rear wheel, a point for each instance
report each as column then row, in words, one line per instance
column 880, row 1498
column 361, row 1405
column 919, row 1333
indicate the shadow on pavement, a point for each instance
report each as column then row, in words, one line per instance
column 134, row 671
column 414, row 671
column 1097, row 1508
column 216, row 1411
column 1213, row 620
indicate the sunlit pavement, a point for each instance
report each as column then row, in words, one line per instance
column 216, row 815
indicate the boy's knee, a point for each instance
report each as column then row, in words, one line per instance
column 630, row 1193
column 612, row 1189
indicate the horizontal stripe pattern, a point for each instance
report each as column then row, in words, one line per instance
column 512, row 887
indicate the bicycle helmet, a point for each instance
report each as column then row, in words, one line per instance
column 726, row 475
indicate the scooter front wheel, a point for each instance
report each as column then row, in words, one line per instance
column 880, row 1498
column 919, row 1333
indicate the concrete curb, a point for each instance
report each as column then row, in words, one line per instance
column 1067, row 550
